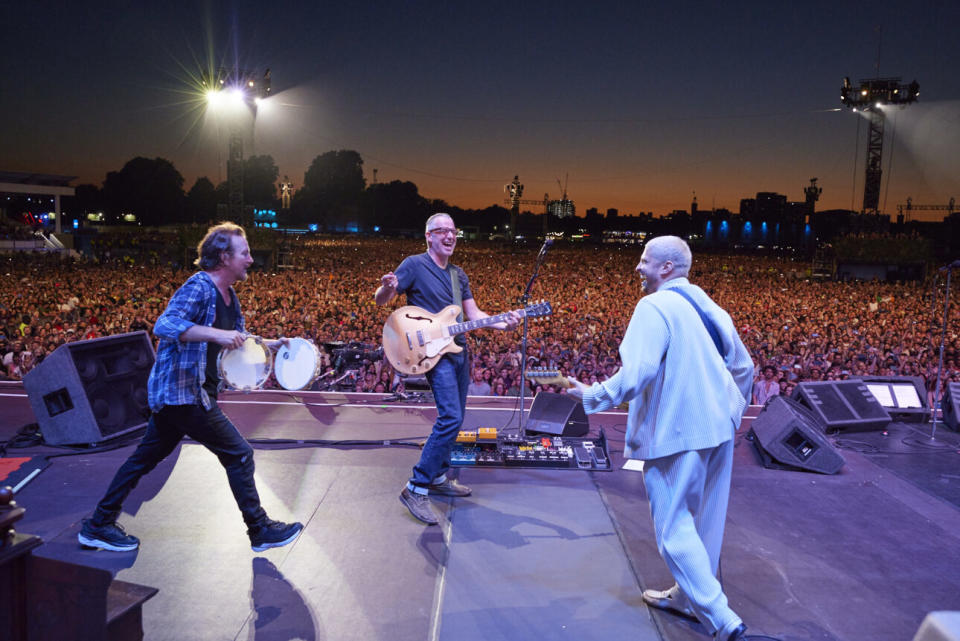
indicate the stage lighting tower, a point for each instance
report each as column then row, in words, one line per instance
column 871, row 97
column 244, row 89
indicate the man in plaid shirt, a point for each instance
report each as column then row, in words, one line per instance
column 202, row 317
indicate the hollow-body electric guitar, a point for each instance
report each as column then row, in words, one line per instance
column 414, row 339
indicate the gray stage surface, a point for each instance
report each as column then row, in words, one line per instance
column 533, row 554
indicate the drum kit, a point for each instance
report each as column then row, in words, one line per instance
column 296, row 365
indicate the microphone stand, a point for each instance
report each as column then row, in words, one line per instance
column 524, row 299
column 938, row 402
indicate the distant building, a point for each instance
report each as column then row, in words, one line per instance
column 562, row 208
column 768, row 220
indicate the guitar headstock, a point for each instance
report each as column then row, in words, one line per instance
column 547, row 377
column 538, row 309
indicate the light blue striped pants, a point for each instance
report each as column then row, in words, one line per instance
column 689, row 493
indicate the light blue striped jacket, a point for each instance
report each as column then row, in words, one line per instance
column 683, row 396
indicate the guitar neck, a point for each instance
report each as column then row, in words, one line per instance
column 460, row 328
column 548, row 377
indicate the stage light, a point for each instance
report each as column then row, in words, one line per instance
column 237, row 96
column 213, row 98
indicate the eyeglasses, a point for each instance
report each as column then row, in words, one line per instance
column 440, row 231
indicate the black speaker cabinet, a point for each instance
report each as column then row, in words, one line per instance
column 787, row 433
column 951, row 406
column 90, row 391
column 558, row 415
column 843, row 405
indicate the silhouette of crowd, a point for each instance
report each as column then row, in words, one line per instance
column 797, row 329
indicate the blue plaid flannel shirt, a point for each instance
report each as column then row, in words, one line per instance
column 180, row 368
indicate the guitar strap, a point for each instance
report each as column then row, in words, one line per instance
column 711, row 328
column 460, row 339
column 457, row 297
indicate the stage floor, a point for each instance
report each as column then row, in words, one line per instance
column 532, row 554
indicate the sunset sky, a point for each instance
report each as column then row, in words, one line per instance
column 641, row 104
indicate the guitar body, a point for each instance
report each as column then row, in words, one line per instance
column 414, row 339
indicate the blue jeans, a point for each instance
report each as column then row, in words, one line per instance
column 165, row 429
column 448, row 380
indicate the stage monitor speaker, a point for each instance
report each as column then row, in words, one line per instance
column 904, row 397
column 942, row 625
column 787, row 433
column 90, row 391
column 557, row 414
column 950, row 406
column 843, row 405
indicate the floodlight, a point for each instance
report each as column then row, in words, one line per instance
column 213, row 97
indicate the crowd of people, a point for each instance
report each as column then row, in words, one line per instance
column 796, row 328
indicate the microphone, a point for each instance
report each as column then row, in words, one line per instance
column 954, row 265
column 546, row 246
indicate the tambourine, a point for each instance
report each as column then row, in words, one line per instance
column 247, row 367
column 298, row 365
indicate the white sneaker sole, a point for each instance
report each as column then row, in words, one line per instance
column 276, row 544
column 103, row 545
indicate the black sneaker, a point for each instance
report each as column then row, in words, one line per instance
column 107, row 537
column 273, row 534
column 419, row 506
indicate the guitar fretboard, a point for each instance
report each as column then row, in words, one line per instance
column 459, row 328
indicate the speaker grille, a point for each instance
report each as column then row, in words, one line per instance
column 843, row 405
column 790, row 434
column 87, row 391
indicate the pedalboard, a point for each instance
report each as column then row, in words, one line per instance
column 483, row 447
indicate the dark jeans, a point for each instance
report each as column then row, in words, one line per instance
column 165, row 429
column 448, row 380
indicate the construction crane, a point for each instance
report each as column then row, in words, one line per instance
column 564, row 207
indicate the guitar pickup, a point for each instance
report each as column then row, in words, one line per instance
column 409, row 342
column 420, row 339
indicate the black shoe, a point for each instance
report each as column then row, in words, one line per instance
column 273, row 534
column 419, row 506
column 737, row 634
column 107, row 537
column 450, row 487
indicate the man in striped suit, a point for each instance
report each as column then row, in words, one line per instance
column 687, row 376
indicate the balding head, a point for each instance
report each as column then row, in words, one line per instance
column 664, row 258
column 672, row 249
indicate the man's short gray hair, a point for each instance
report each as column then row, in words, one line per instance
column 674, row 249
column 434, row 217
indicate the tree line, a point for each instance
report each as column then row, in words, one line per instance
column 334, row 195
